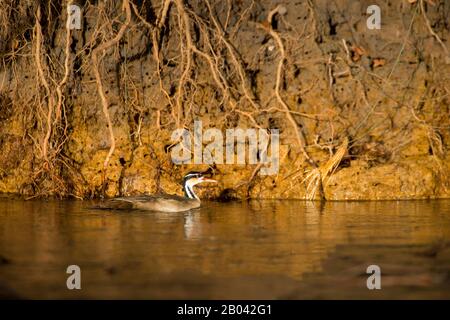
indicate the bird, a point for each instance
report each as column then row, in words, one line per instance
column 165, row 202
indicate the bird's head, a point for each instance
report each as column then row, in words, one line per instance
column 195, row 177
column 191, row 179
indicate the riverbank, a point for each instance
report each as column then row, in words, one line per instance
column 90, row 112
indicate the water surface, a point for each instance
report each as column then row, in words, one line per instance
column 258, row 249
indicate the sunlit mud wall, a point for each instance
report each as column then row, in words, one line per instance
column 89, row 110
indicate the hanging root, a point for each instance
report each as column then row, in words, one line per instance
column 298, row 131
column 43, row 78
column 46, row 179
column 100, row 50
column 434, row 34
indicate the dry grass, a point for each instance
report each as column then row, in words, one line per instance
column 317, row 178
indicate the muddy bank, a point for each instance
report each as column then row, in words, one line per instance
column 362, row 114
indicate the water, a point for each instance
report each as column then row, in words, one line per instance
column 258, row 249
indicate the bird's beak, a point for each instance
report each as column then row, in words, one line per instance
column 203, row 179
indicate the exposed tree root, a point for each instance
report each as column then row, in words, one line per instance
column 100, row 50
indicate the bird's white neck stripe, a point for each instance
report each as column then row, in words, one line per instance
column 189, row 191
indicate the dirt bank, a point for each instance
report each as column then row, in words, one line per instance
column 362, row 114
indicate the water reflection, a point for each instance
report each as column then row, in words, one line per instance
column 221, row 250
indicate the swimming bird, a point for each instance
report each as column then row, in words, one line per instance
column 166, row 202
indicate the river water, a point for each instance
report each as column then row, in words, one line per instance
column 248, row 250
